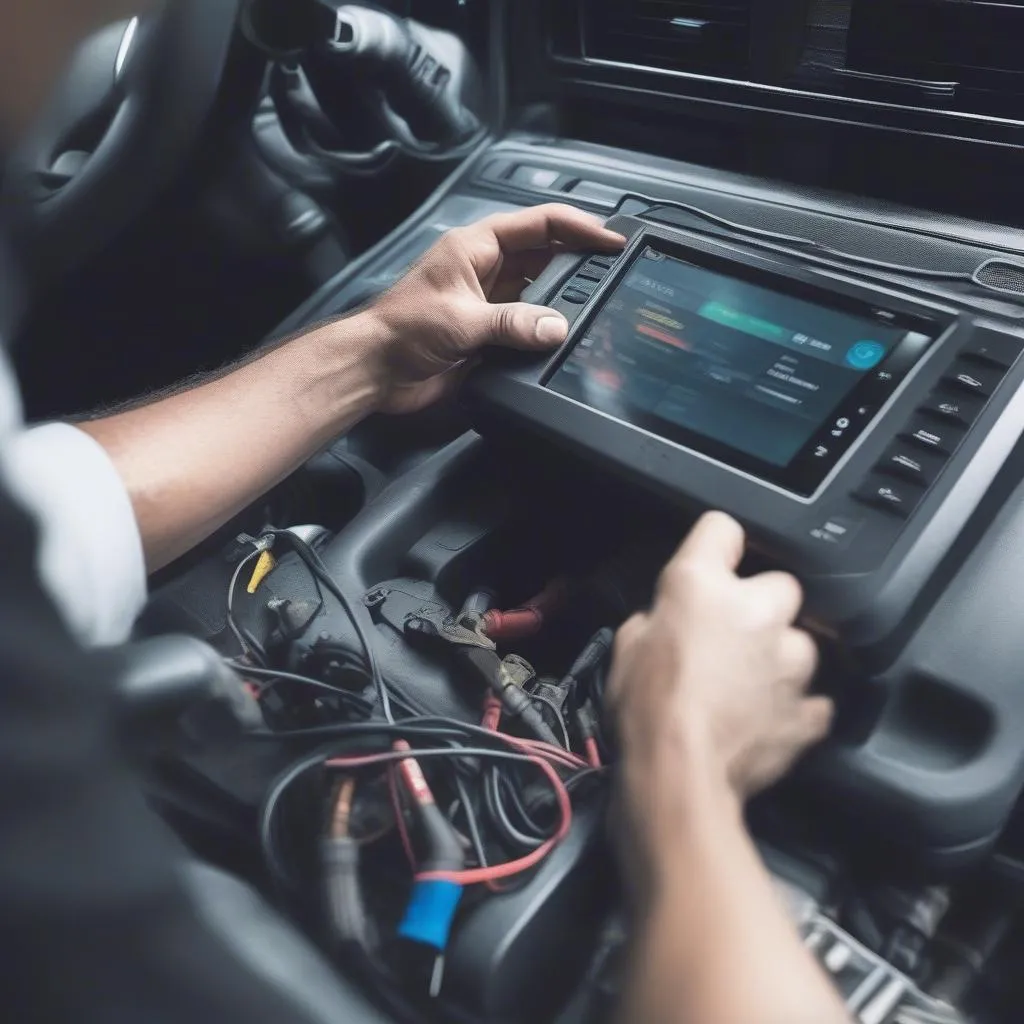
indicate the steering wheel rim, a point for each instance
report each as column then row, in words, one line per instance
column 166, row 78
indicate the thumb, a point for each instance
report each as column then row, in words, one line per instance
column 520, row 325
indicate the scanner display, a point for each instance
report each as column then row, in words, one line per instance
column 768, row 382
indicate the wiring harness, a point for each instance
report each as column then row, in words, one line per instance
column 409, row 819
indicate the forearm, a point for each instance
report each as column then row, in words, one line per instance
column 716, row 946
column 193, row 460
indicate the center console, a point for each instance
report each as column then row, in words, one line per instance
column 841, row 375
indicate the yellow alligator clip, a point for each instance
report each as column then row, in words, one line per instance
column 264, row 567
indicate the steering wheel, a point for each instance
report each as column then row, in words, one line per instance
column 126, row 117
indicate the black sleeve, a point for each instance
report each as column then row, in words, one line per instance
column 101, row 916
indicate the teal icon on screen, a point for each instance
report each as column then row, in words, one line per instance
column 865, row 355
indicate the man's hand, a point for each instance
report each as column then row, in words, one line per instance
column 712, row 682
column 711, row 693
column 241, row 432
column 462, row 296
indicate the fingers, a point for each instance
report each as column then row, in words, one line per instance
column 816, row 717
column 778, row 592
column 541, row 226
column 800, row 657
column 517, row 271
column 716, row 539
column 520, row 325
column 630, row 632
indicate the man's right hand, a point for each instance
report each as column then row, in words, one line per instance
column 710, row 686
column 711, row 692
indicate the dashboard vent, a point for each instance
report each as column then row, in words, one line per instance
column 965, row 55
column 711, row 38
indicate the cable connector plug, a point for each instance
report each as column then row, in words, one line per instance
column 339, row 855
column 593, row 656
column 432, row 906
column 588, row 725
column 340, row 858
column 430, row 912
column 528, row 619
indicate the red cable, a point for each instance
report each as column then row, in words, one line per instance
column 557, row 755
column 492, row 719
column 400, row 823
column 593, row 754
column 478, row 876
column 516, row 624
column 492, row 713
column 529, row 618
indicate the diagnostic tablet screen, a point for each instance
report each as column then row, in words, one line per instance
column 767, row 381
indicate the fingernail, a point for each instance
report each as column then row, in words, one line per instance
column 551, row 330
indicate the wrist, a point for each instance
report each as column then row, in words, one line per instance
column 348, row 362
column 685, row 755
column 681, row 797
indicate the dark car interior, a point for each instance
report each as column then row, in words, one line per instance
column 816, row 326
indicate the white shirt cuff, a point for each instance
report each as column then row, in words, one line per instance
column 90, row 552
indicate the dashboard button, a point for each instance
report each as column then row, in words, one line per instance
column 575, row 295
column 604, row 262
column 994, row 350
column 916, row 466
column 953, row 408
column 595, row 274
column 891, row 495
column 535, row 177
column 597, row 194
column 928, row 433
column 973, row 378
column 582, row 284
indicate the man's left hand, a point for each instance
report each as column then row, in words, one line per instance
column 462, row 296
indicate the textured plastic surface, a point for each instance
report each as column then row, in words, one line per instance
column 517, row 957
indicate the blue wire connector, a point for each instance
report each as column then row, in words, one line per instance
column 430, row 912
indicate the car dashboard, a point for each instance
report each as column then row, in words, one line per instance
column 857, row 196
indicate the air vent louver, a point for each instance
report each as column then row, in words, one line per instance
column 978, row 46
column 711, row 38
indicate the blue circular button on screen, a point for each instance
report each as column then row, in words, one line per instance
column 865, row 355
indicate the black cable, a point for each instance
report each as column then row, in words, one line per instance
column 319, row 569
column 507, row 790
column 585, row 775
column 472, row 825
column 278, row 870
column 464, row 801
column 433, row 726
column 554, row 709
column 280, row 786
column 490, row 803
column 495, row 807
column 249, row 644
column 598, row 685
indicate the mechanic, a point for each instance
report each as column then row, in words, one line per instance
column 709, row 686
